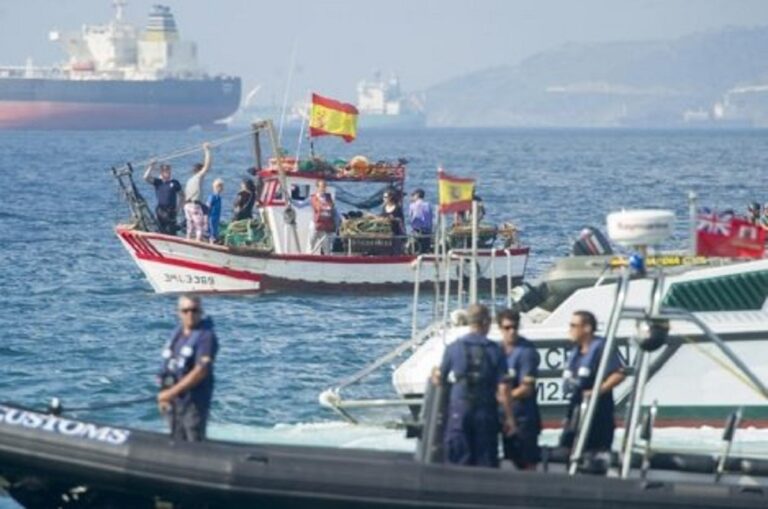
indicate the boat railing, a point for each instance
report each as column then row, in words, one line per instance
column 26, row 71
column 332, row 397
column 655, row 319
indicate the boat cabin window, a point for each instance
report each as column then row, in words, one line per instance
column 300, row 191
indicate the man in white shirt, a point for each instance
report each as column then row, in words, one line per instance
column 194, row 213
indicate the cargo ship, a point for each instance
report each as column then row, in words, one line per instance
column 382, row 105
column 118, row 77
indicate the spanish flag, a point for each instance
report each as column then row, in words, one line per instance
column 454, row 194
column 332, row 118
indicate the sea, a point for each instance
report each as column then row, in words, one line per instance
column 81, row 323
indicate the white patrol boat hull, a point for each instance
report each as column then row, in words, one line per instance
column 687, row 378
column 177, row 265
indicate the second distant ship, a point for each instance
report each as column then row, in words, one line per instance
column 382, row 105
column 118, row 77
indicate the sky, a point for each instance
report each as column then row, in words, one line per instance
column 332, row 44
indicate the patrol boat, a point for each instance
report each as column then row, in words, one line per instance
column 47, row 460
column 729, row 297
column 272, row 252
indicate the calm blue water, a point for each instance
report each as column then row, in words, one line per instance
column 80, row 322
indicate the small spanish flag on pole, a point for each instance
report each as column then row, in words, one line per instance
column 454, row 193
column 329, row 117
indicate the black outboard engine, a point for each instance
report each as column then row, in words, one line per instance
column 591, row 242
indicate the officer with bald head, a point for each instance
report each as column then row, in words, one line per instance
column 187, row 372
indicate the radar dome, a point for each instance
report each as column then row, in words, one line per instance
column 640, row 227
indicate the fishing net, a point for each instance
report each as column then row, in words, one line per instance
column 378, row 227
column 460, row 236
column 252, row 233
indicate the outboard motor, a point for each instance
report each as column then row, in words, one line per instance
column 591, row 242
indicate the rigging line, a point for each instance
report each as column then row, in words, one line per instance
column 727, row 366
column 194, row 148
column 113, row 404
column 288, row 85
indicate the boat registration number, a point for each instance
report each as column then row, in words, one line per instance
column 550, row 391
column 188, row 279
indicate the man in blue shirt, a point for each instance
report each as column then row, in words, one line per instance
column 420, row 219
column 579, row 380
column 187, row 372
column 166, row 190
column 522, row 446
column 476, row 370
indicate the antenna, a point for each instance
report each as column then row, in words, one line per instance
column 119, row 5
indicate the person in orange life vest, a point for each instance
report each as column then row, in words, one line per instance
column 324, row 220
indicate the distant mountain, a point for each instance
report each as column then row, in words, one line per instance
column 606, row 84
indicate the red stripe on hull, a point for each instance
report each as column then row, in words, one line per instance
column 213, row 269
column 144, row 250
column 61, row 115
column 341, row 258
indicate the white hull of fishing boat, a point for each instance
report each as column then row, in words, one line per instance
column 687, row 376
column 174, row 265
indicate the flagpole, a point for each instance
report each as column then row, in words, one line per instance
column 692, row 220
column 436, row 252
column 304, row 122
column 473, row 268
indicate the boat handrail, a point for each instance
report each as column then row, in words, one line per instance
column 331, row 397
column 655, row 312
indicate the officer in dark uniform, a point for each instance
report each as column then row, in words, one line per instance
column 187, row 372
column 579, row 380
column 476, row 370
column 522, row 445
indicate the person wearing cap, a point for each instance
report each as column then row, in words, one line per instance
column 169, row 195
column 522, row 446
column 582, row 364
column 194, row 211
column 475, row 368
column 420, row 218
column 186, row 374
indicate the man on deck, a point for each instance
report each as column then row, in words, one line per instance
column 194, row 212
column 476, row 370
column 579, row 381
column 420, row 219
column 187, row 372
column 323, row 220
column 522, row 446
column 166, row 190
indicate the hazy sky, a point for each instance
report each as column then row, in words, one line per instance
column 338, row 42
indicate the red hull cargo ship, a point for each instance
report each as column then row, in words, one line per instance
column 118, row 77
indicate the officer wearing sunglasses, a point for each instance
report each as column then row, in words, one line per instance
column 521, row 446
column 187, row 372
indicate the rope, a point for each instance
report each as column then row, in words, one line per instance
column 727, row 366
column 114, row 404
column 195, row 148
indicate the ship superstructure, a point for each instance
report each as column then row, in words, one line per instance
column 382, row 104
column 117, row 76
